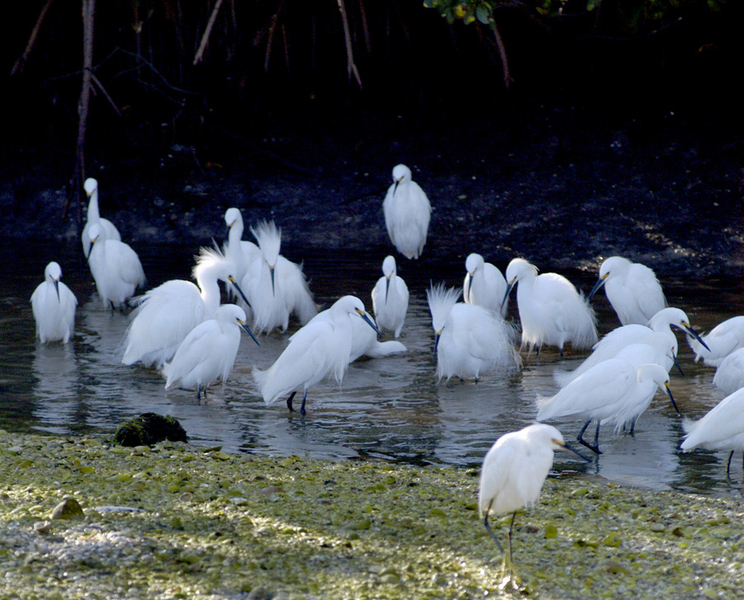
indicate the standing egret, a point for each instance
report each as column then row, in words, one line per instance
column 551, row 310
column 240, row 252
column 468, row 338
column 721, row 341
column 729, row 375
column 513, row 473
column 390, row 298
column 484, row 285
column 722, row 428
column 407, row 213
column 208, row 351
column 318, row 350
column 53, row 305
column 115, row 267
column 632, row 289
column 93, row 217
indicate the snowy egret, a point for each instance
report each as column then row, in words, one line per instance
column 484, row 285
column 115, row 267
column 93, row 217
column 53, row 305
column 390, row 298
column 208, row 351
column 167, row 313
column 275, row 286
column 407, row 213
column 632, row 289
column 722, row 428
column 319, row 349
column 721, row 341
column 729, row 375
column 551, row 310
column 468, row 338
column 513, row 473
column 240, row 252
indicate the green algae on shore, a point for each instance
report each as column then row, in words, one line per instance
column 178, row 521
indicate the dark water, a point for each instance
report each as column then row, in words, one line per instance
column 391, row 408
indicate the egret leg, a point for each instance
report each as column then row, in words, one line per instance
column 490, row 531
column 302, row 408
column 510, row 578
column 632, row 425
column 289, row 401
column 728, row 464
column 582, row 441
column 198, row 391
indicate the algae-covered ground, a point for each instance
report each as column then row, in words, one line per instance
column 178, row 521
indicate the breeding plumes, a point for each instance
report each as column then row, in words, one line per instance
column 318, row 350
column 721, row 341
column 469, row 339
column 240, row 252
column 407, row 213
column 208, row 352
column 484, row 285
column 729, row 375
column 632, row 289
column 551, row 310
column 390, row 298
column 115, row 267
column 93, row 217
column 53, row 305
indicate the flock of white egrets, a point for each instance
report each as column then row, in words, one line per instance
column 182, row 329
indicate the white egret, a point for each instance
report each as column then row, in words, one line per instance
column 632, row 289
column 722, row 428
column 167, row 313
column 407, row 213
column 721, row 341
column 93, row 217
column 390, row 298
column 484, row 285
column 469, row 339
column 513, row 473
column 318, row 350
column 208, row 352
column 53, row 305
column 240, row 252
column 551, row 310
column 729, row 375
column 115, row 267
column 275, row 286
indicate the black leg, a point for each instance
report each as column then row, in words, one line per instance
column 488, row 527
column 509, row 536
column 302, row 408
column 582, row 441
column 728, row 464
column 289, row 401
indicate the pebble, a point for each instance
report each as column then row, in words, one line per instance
column 69, row 508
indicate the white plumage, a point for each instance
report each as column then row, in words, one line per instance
column 729, row 375
column 722, row 340
column 53, row 305
column 390, row 298
column 407, row 213
column 240, row 252
column 93, row 217
column 484, row 285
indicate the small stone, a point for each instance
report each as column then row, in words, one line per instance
column 43, row 527
column 551, row 532
column 616, row 568
column 260, row 594
column 69, row 508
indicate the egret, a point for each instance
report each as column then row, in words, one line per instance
column 551, row 310
column 513, row 473
column 390, row 298
column 468, row 338
column 318, row 350
column 275, row 286
column 407, row 213
column 167, row 313
column 484, row 285
column 115, row 267
column 729, row 375
column 632, row 289
column 722, row 428
column 240, row 252
column 721, row 341
column 93, row 217
column 53, row 305
column 208, row 351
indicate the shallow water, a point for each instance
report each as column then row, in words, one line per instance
column 391, row 408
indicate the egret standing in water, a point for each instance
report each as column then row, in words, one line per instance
column 469, row 339
column 115, row 267
column 53, row 305
column 318, row 350
column 407, row 213
column 551, row 310
column 721, row 341
column 390, row 298
column 93, row 217
column 513, row 473
column 240, row 252
column 484, row 285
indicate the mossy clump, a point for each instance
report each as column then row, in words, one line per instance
column 149, row 429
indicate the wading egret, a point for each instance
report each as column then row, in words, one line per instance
column 484, row 285
column 208, row 351
column 93, row 217
column 115, row 267
column 318, row 350
column 513, row 473
column 632, row 289
column 729, row 375
column 53, row 305
column 469, row 339
column 407, row 213
column 721, row 341
column 390, row 298
column 551, row 310
column 240, row 252
column 722, row 428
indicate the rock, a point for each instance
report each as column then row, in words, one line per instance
column 69, row 508
column 149, row 429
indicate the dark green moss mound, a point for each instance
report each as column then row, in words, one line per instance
column 149, row 429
